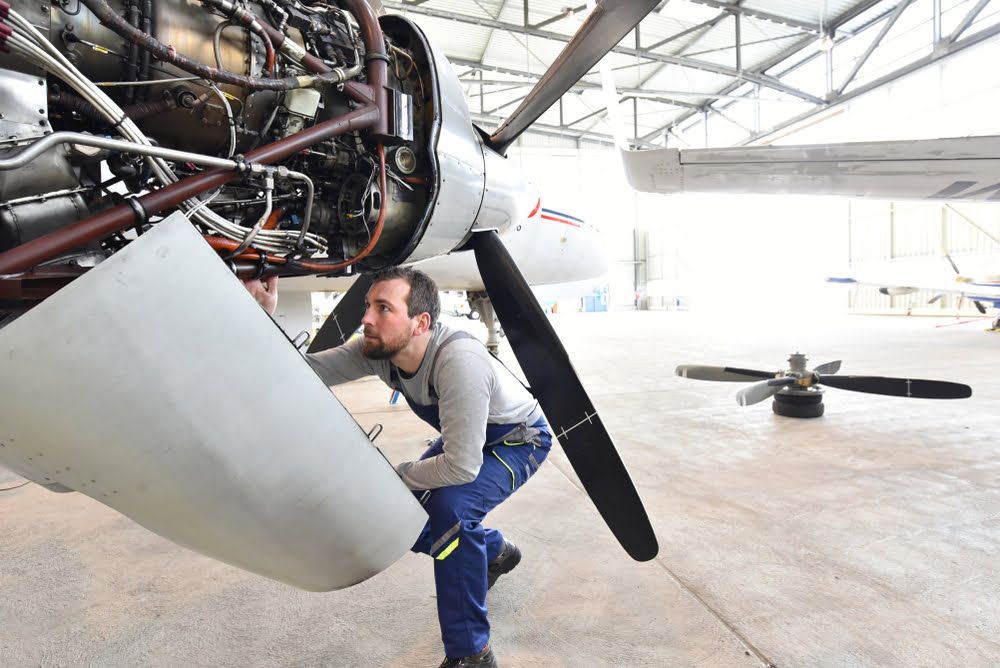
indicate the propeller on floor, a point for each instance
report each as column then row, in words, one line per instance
column 571, row 414
column 800, row 379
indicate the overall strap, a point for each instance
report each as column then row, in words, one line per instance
column 430, row 372
column 396, row 383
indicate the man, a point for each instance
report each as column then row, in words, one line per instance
column 493, row 438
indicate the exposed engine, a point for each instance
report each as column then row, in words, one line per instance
column 298, row 137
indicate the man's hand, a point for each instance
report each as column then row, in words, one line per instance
column 265, row 292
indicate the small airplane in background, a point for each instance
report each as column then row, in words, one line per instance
column 983, row 292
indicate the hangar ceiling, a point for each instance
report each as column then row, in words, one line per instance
column 699, row 72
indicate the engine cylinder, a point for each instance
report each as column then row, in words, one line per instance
column 104, row 56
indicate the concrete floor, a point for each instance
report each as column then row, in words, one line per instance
column 866, row 537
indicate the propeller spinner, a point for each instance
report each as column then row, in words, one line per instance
column 797, row 391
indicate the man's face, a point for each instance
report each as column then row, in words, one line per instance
column 388, row 326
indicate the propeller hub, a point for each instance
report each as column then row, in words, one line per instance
column 797, row 364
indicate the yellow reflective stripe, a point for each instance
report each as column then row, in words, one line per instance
column 513, row 442
column 513, row 480
column 448, row 550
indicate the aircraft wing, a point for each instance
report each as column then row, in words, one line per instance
column 157, row 386
column 965, row 168
column 981, row 292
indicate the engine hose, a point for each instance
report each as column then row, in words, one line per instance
column 77, row 104
column 132, row 62
column 147, row 27
column 169, row 54
column 136, row 112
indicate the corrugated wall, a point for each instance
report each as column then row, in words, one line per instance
column 905, row 243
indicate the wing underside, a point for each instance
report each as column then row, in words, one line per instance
column 966, row 168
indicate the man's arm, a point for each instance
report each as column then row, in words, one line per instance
column 336, row 365
column 341, row 364
column 464, row 384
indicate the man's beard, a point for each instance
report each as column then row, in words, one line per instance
column 380, row 349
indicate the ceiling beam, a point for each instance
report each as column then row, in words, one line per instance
column 952, row 49
column 764, row 16
column 886, row 27
column 580, row 86
column 565, row 14
column 705, row 66
column 556, row 131
column 784, row 55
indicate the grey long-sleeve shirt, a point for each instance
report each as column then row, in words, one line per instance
column 473, row 389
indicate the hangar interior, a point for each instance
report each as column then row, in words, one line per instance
column 692, row 76
column 864, row 538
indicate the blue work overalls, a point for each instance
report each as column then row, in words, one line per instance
column 454, row 536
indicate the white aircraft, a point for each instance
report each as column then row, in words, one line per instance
column 310, row 141
column 983, row 291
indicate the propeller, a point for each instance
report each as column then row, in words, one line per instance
column 345, row 317
column 824, row 374
column 606, row 25
column 961, row 300
column 567, row 407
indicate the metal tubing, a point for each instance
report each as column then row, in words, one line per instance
column 122, row 216
column 48, row 141
column 376, row 65
column 376, row 60
column 170, row 55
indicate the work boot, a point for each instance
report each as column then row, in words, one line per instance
column 505, row 562
column 484, row 659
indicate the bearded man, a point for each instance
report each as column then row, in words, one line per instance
column 493, row 439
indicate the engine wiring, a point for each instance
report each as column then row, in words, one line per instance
column 294, row 176
column 39, row 50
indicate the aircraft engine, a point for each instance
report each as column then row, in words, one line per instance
column 897, row 291
column 299, row 138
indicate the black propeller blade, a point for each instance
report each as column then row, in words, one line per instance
column 898, row 387
column 569, row 410
column 345, row 318
column 607, row 25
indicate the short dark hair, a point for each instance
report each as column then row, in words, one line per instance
column 423, row 297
